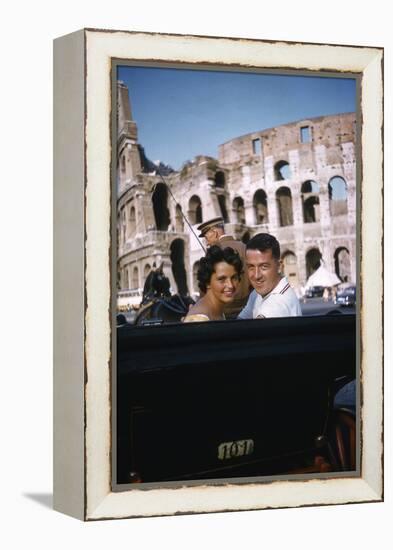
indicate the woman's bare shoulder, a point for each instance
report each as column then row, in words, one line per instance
column 195, row 318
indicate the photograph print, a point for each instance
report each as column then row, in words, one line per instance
column 235, row 274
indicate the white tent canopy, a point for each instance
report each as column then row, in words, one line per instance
column 322, row 277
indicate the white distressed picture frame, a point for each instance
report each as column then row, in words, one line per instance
column 82, row 334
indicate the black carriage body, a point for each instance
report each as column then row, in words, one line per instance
column 227, row 399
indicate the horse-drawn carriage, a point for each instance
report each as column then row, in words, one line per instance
column 234, row 399
column 158, row 305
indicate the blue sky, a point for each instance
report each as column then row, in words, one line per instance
column 181, row 113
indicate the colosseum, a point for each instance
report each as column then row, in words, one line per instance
column 296, row 181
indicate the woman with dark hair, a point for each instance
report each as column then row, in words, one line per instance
column 218, row 279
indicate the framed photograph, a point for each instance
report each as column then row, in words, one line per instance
column 218, row 274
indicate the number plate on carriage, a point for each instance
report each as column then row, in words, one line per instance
column 234, row 449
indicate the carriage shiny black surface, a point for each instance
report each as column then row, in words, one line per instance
column 230, row 399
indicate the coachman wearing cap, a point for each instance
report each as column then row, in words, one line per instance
column 214, row 234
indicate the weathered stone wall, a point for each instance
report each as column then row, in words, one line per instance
column 328, row 153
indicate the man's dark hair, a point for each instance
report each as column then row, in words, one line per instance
column 214, row 255
column 263, row 242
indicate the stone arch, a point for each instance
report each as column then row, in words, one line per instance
column 310, row 201
column 219, row 179
column 132, row 222
column 337, row 196
column 342, row 263
column 195, row 210
column 284, row 206
column 313, row 261
column 123, row 164
column 123, row 226
column 290, row 268
column 238, row 210
column 195, row 268
column 260, row 207
column 282, row 170
column 135, row 278
column 146, row 271
column 310, row 186
column 178, row 269
column 126, row 283
column 179, row 219
column 160, row 207
column 246, row 237
column 220, row 184
column 311, row 210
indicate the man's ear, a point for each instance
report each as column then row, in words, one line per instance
column 281, row 267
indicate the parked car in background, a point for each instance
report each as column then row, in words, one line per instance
column 346, row 296
column 314, row 292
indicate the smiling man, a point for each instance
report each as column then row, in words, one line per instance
column 272, row 295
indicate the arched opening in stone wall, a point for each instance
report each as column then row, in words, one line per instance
column 342, row 264
column 338, row 196
column 311, row 210
column 123, row 230
column 132, row 224
column 310, row 186
column 179, row 219
column 160, row 207
column 123, row 164
column 219, row 179
column 219, row 184
column 195, row 268
column 246, row 237
column 195, row 210
column 282, row 170
column 260, row 207
column 284, row 206
column 313, row 261
column 135, row 278
column 125, row 278
column 178, row 269
column 310, row 201
column 146, row 271
column 290, row 269
column 238, row 210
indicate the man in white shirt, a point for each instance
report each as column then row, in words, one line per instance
column 272, row 295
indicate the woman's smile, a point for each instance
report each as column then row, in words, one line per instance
column 224, row 282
